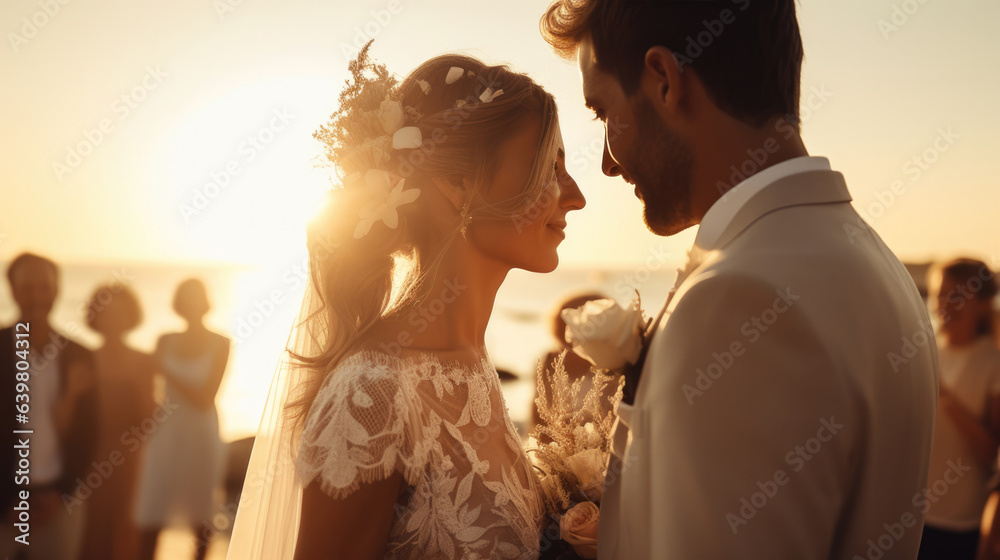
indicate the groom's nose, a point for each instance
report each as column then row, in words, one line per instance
column 609, row 166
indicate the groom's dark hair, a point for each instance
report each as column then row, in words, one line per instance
column 747, row 53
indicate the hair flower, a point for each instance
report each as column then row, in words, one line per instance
column 385, row 201
column 408, row 137
column 454, row 74
column 490, row 95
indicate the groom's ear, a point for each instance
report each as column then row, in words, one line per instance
column 662, row 78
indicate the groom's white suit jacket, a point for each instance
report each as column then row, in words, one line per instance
column 786, row 406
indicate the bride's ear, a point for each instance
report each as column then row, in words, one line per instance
column 455, row 192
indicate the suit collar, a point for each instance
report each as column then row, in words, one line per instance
column 810, row 187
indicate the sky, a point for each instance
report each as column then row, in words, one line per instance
column 180, row 132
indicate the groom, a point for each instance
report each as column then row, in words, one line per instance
column 785, row 406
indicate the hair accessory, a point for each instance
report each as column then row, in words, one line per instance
column 454, row 74
column 490, row 95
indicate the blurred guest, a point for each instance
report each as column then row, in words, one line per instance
column 576, row 367
column 62, row 416
column 125, row 389
column 967, row 425
column 185, row 458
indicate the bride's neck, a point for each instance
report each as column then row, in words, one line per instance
column 458, row 306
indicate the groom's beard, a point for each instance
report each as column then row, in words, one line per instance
column 662, row 170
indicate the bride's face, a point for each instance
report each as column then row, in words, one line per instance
column 530, row 239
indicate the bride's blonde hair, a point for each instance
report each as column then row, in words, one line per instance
column 359, row 282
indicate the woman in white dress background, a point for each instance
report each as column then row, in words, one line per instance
column 391, row 439
column 184, row 460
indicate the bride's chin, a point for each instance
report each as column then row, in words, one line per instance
column 543, row 266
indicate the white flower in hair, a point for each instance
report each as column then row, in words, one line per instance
column 490, row 95
column 386, row 198
column 408, row 137
column 454, row 74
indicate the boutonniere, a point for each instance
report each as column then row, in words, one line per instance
column 606, row 334
column 611, row 338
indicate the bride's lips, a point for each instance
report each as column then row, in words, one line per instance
column 558, row 227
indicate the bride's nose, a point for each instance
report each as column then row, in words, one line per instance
column 570, row 195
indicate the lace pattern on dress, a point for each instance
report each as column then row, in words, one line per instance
column 444, row 426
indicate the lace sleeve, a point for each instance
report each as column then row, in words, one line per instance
column 365, row 424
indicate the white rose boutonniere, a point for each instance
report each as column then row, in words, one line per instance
column 605, row 334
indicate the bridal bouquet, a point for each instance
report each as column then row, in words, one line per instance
column 574, row 435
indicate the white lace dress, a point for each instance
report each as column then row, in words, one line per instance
column 444, row 425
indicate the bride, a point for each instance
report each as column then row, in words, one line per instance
column 386, row 434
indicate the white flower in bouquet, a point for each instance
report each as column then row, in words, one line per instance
column 391, row 115
column 604, row 333
column 578, row 527
column 588, row 467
